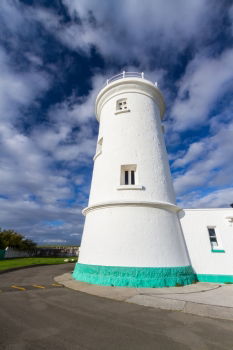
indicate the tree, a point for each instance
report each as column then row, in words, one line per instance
column 10, row 238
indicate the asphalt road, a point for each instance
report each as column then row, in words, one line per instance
column 41, row 315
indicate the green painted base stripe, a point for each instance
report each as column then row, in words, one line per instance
column 215, row 278
column 134, row 276
column 217, row 251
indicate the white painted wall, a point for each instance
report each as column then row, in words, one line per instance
column 194, row 223
column 132, row 235
column 133, row 137
column 14, row 253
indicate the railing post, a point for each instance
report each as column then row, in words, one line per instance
column 142, row 75
column 123, row 74
column 107, row 81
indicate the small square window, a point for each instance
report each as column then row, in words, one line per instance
column 121, row 106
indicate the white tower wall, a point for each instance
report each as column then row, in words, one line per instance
column 133, row 137
column 131, row 226
column 133, row 235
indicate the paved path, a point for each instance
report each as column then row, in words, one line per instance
column 60, row 318
column 203, row 299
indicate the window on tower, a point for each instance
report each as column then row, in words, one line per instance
column 98, row 148
column 122, row 106
column 129, row 178
column 128, row 174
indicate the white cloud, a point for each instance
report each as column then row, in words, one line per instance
column 29, row 217
column 195, row 150
column 18, row 89
column 126, row 29
column 210, row 163
column 72, row 152
column 216, row 199
column 25, row 169
column 204, row 83
column 58, row 136
column 11, row 15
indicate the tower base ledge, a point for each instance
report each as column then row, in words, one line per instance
column 161, row 205
column 147, row 277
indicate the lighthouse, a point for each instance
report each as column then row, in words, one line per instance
column 132, row 234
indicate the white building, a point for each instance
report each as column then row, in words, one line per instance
column 133, row 229
column 209, row 239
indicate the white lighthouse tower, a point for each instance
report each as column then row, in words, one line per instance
column 132, row 234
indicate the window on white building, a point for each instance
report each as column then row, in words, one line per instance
column 128, row 174
column 99, row 145
column 129, row 178
column 98, row 148
column 122, row 106
column 213, row 237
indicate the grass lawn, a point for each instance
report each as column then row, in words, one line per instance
column 18, row 262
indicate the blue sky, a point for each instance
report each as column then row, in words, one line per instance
column 54, row 58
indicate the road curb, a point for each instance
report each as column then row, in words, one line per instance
column 132, row 295
column 189, row 307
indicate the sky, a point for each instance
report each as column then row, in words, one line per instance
column 54, row 58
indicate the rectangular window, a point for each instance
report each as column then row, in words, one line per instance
column 99, row 145
column 128, row 174
column 98, row 148
column 213, row 237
